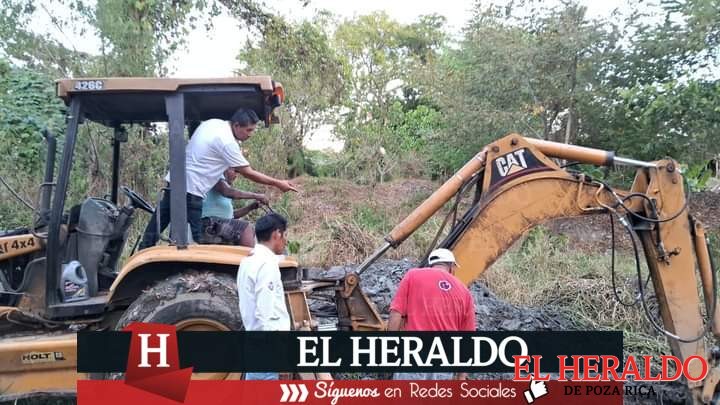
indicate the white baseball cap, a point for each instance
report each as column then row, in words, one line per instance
column 441, row 256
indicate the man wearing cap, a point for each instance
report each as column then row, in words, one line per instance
column 432, row 299
column 260, row 291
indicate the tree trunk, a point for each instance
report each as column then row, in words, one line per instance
column 571, row 124
column 549, row 117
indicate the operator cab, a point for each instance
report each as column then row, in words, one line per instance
column 79, row 249
column 97, row 231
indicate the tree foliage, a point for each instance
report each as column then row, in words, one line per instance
column 407, row 99
column 35, row 50
column 662, row 88
column 533, row 72
column 139, row 36
column 27, row 107
column 633, row 85
column 385, row 58
column 313, row 74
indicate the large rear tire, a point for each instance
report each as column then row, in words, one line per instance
column 192, row 301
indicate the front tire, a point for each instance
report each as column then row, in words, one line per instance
column 192, row 301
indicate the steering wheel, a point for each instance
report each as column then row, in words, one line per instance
column 137, row 201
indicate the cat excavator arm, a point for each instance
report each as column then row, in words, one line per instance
column 518, row 185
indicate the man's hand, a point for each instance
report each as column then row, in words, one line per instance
column 396, row 321
column 253, row 175
column 261, row 198
column 253, row 206
column 286, row 185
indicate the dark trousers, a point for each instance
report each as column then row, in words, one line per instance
column 194, row 215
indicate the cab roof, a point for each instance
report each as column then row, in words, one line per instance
column 139, row 99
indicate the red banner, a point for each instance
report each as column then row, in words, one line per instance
column 358, row 392
column 164, row 376
column 153, row 376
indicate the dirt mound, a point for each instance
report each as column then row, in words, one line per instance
column 380, row 282
column 592, row 233
column 705, row 207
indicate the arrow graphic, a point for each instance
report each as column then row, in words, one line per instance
column 304, row 393
column 295, row 393
column 286, row 393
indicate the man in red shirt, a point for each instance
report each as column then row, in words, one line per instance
column 432, row 299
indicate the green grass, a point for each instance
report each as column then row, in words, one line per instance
column 285, row 207
column 371, row 218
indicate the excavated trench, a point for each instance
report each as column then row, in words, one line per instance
column 381, row 280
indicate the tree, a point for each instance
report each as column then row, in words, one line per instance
column 661, row 95
column 384, row 57
column 313, row 74
column 33, row 50
column 27, row 107
column 532, row 72
column 138, row 37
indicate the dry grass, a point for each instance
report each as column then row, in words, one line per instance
column 335, row 222
column 543, row 270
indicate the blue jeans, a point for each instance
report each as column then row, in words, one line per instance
column 262, row 376
column 194, row 215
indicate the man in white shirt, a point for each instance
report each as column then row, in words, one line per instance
column 212, row 148
column 260, row 290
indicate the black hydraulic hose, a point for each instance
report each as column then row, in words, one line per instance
column 631, row 234
column 569, row 164
column 136, row 244
column 612, row 268
column 654, row 220
column 453, row 212
column 649, row 316
column 621, row 202
column 613, row 271
column 6, row 287
column 14, row 291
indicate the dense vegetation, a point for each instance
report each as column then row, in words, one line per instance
column 406, row 99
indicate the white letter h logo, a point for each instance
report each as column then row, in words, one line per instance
column 161, row 350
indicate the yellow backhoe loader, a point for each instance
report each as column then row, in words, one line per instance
column 517, row 185
column 63, row 274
